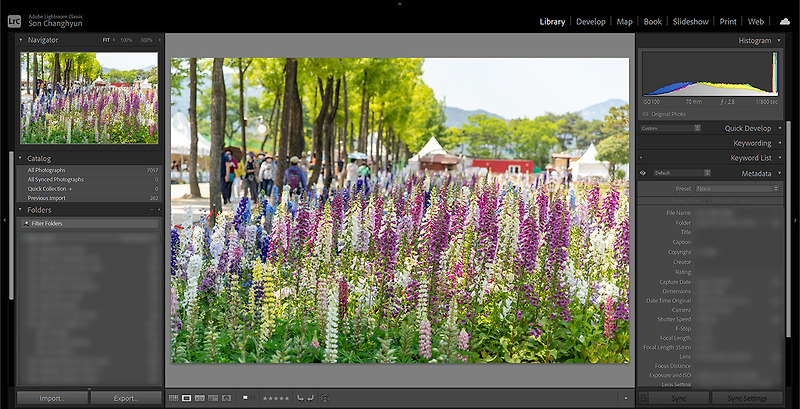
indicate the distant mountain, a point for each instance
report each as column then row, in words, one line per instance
column 457, row 116
column 600, row 110
column 107, row 69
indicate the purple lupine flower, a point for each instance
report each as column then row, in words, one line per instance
column 528, row 244
column 234, row 255
column 621, row 244
column 557, row 236
column 377, row 220
column 463, row 343
column 174, row 245
column 207, row 283
column 610, row 204
column 610, row 325
column 337, row 210
column 536, row 331
column 487, row 223
column 343, row 296
column 425, row 339
column 621, row 311
column 388, row 246
column 560, row 303
column 304, row 228
column 263, row 246
column 176, row 321
column 592, row 201
column 541, row 208
column 416, row 211
column 241, row 215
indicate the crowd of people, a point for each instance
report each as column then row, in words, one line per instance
column 257, row 172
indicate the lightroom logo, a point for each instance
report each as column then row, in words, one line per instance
column 14, row 21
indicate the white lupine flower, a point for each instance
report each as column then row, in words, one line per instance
column 508, row 235
column 217, row 245
column 597, row 246
column 192, row 277
column 578, row 286
column 332, row 326
column 506, row 307
column 605, row 290
column 197, row 237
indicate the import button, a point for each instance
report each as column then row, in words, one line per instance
column 747, row 398
column 52, row 398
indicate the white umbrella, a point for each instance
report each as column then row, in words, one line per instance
column 357, row 155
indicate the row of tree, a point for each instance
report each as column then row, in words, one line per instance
column 60, row 68
column 378, row 106
column 535, row 139
column 65, row 68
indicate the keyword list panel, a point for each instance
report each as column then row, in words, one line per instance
column 710, row 155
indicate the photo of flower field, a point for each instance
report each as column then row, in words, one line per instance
column 427, row 269
column 371, row 222
column 89, row 106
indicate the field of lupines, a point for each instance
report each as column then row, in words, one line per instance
column 424, row 270
column 91, row 115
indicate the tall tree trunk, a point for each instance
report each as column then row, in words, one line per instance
column 225, row 109
column 351, row 138
column 278, row 124
column 343, row 136
column 35, row 77
column 56, row 70
column 271, row 117
column 378, row 142
column 329, row 137
column 194, row 186
column 371, row 139
column 290, row 74
column 318, row 127
column 28, row 73
column 242, row 114
column 364, row 120
column 217, row 136
column 297, row 142
column 67, row 72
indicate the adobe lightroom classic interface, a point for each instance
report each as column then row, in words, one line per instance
column 596, row 212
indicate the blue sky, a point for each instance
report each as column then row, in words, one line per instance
column 127, row 61
column 526, row 87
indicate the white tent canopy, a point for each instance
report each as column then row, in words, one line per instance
column 588, row 165
column 431, row 148
column 180, row 138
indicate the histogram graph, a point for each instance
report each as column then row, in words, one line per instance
column 720, row 74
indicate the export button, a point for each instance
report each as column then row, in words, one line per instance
column 126, row 398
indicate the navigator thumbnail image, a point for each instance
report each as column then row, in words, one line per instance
column 88, row 98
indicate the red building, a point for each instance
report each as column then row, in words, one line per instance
column 504, row 165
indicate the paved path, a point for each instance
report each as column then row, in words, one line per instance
column 179, row 195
